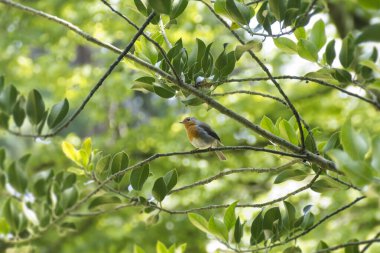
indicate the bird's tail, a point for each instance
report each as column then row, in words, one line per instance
column 220, row 155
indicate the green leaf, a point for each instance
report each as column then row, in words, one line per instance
column 141, row 7
column 330, row 52
column 268, row 125
column 326, row 185
column 346, row 55
column 35, row 107
column 4, row 226
column 286, row 45
column 293, row 249
column 2, row 157
column 290, row 215
column 198, row 221
column 353, row 142
column 2, row 83
column 137, row 249
column 294, row 174
column 332, row 143
column 323, row 245
column 69, row 181
column 102, row 167
column 300, row 33
column 308, row 220
column 170, row 179
column 254, row 45
column 57, row 113
column 144, row 83
column 70, row 152
column 217, row 228
column 239, row 12
column 343, row 76
column 161, row 248
column 163, row 90
column 69, row 197
column 178, row 7
column 229, row 216
column 375, row 161
column 161, row 6
column 288, row 132
column 103, row 200
column 369, row 33
column 10, row 214
column 19, row 112
column 8, row 98
column 358, row 171
column 238, row 231
column 139, row 176
column 159, row 190
column 17, row 178
column 272, row 215
column 352, row 248
column 307, row 50
column 119, row 162
column 257, row 233
column 318, row 36
column 278, row 8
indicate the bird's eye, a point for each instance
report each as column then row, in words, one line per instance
column 187, row 119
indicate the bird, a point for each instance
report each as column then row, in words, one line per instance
column 202, row 136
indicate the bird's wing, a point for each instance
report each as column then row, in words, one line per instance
column 209, row 130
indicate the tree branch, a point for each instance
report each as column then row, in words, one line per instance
column 233, row 171
column 369, row 244
column 302, row 78
column 259, row 205
column 348, row 244
column 255, row 93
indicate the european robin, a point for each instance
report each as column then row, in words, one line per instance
column 202, row 136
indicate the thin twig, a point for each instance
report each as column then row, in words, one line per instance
column 233, row 171
column 369, row 244
column 348, row 244
column 255, row 93
column 259, row 205
column 302, row 78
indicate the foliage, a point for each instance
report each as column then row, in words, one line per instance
column 91, row 147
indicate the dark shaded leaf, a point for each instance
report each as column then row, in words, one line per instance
column 103, row 200
column 58, row 113
column 161, row 6
column 35, row 107
column 370, row 33
column 238, row 231
column 138, row 177
column 159, row 190
column 346, row 55
column 330, row 52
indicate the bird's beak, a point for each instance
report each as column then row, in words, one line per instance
column 181, row 122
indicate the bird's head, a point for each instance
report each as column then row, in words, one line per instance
column 189, row 121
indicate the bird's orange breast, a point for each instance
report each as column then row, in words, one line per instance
column 192, row 132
